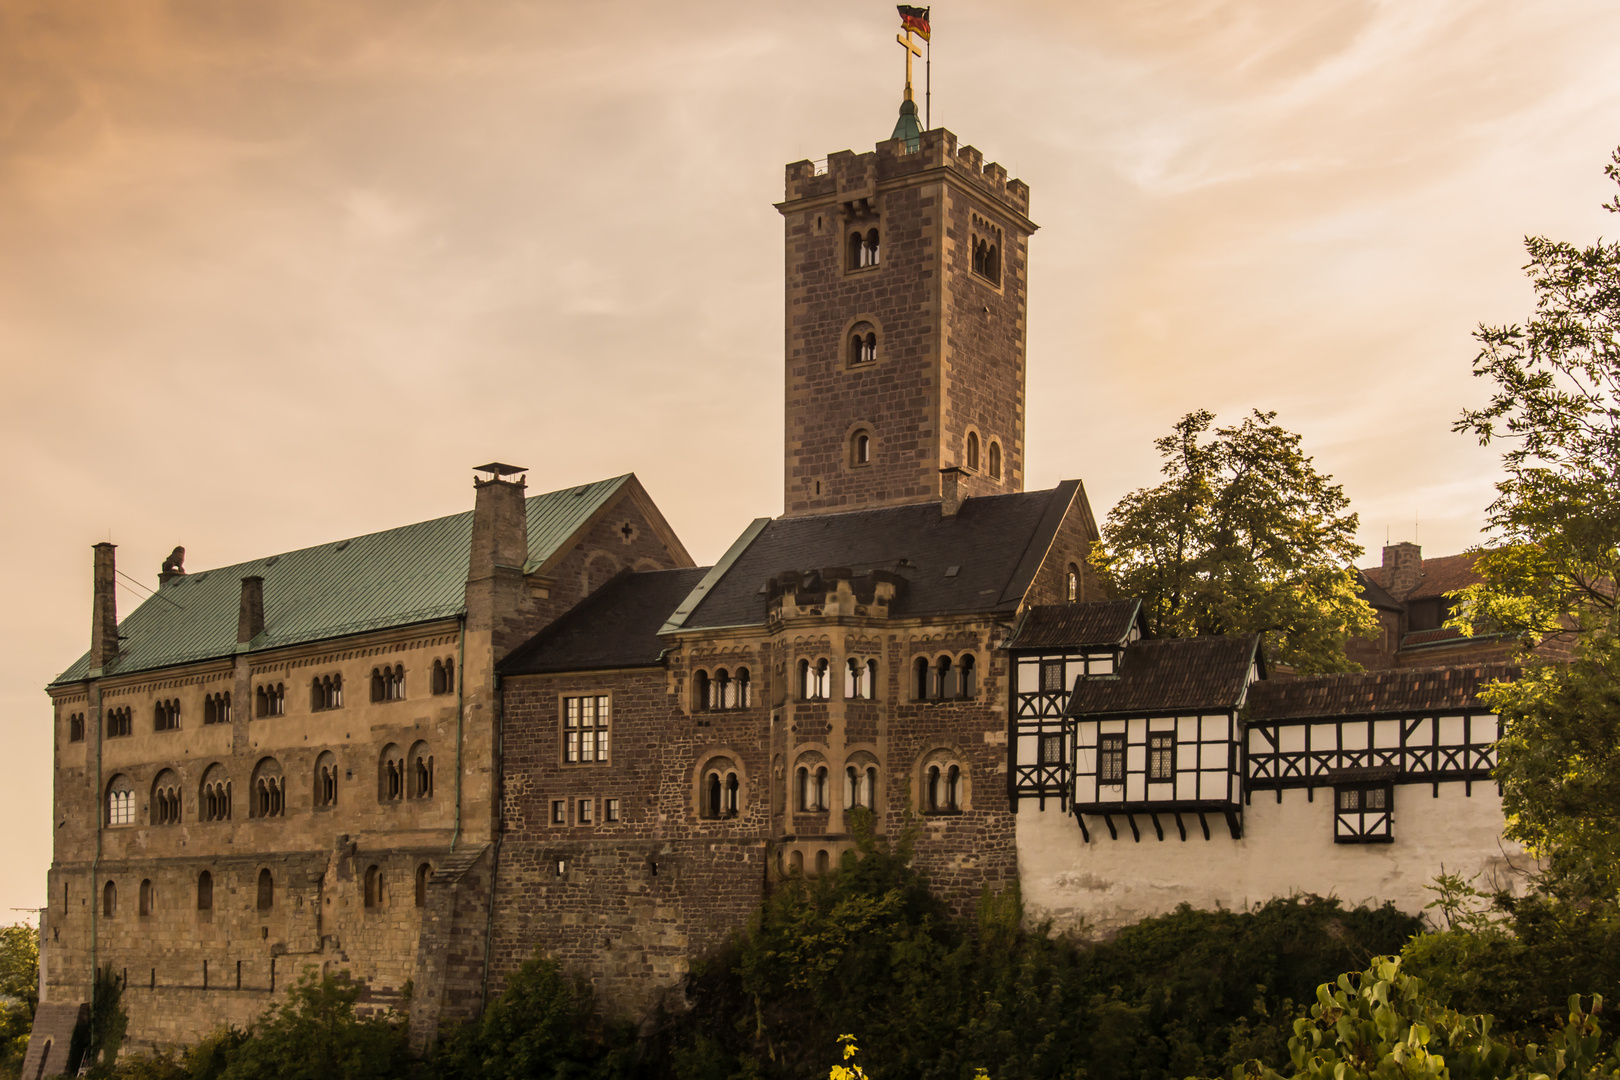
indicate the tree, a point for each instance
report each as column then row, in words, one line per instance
column 1243, row 537
column 315, row 1035
column 19, row 993
column 1553, row 551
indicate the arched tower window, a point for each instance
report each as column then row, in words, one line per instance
column 205, row 891
column 109, row 900
column 120, row 801
column 423, row 872
column 326, row 779
column 967, row 676
column 420, row 779
column 863, row 344
column 973, row 450
column 267, row 890
column 860, row 448
column 391, row 774
column 995, row 460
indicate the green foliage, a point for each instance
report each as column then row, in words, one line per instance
column 103, row 1037
column 933, row 995
column 315, row 1034
column 545, row 1024
column 1244, row 536
column 19, row 993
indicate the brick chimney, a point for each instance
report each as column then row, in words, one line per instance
column 500, row 547
column 104, row 610
column 1403, row 569
column 950, row 491
column 250, row 613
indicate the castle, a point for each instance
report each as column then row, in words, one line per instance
column 419, row 756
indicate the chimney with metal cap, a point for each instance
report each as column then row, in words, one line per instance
column 104, row 610
column 500, row 548
column 250, row 615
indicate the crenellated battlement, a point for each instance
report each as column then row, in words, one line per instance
column 850, row 176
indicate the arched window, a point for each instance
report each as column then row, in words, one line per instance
column 813, row 786
column 120, row 801
column 973, row 450
column 967, row 676
column 711, row 796
column 217, row 708
column 76, row 727
column 821, row 677
column 420, row 780
column 269, row 788
column 744, row 689
column 822, row 800
column 270, row 700
column 391, row 774
column 205, row 891
column 374, row 887
column 796, row 862
column 733, row 796
column 920, row 680
column 388, row 683
column 860, row 783
column 863, row 343
column 700, row 690
column 326, row 779
column 857, row 256
column 823, row 862
column 995, row 460
column 166, row 715
column 869, row 249
column 144, row 900
column 165, row 804
column 860, row 449
column 423, row 872
column 1072, row 583
column 267, row 890
column 326, row 692
column 805, row 793
column 109, row 900
column 444, row 676
column 720, row 690
column 214, row 802
column 992, row 263
column 942, row 783
column 721, row 790
column 944, row 679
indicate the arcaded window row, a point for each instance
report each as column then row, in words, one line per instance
column 401, row 776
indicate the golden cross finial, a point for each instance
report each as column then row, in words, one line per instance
column 911, row 50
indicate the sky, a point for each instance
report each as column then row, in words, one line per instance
column 276, row 273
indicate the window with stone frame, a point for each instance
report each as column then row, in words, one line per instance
column 166, row 715
column 214, row 801
column 815, row 680
column 391, row 774
column 217, row 708
column 860, row 449
column 270, row 699
column 120, row 722
column 559, row 811
column 719, row 789
column 611, row 812
column 444, row 676
column 985, row 242
column 76, row 727
column 424, row 871
column 861, row 246
column 326, row 780
column 995, row 460
column 722, row 690
column 587, row 721
column 973, row 451
column 812, row 787
column 419, row 765
column 165, row 804
column 388, row 683
column 860, row 679
column 268, row 790
column 861, row 781
column 942, row 784
column 120, row 801
column 863, row 344
column 326, row 692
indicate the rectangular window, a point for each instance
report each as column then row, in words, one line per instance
column 587, row 812
column 559, row 811
column 1052, row 675
column 1051, row 749
column 585, row 728
column 1111, row 759
column 1162, row 756
column 610, row 811
column 1362, row 813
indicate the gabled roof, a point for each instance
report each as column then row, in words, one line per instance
column 1376, row 595
column 1375, row 692
column 412, row 574
column 1075, row 626
column 982, row 559
column 1436, row 577
column 1173, row 675
column 615, row 627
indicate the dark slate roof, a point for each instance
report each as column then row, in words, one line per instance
column 1174, row 675
column 412, row 574
column 1050, row 626
column 996, row 543
column 1374, row 692
column 615, row 627
column 1376, row 595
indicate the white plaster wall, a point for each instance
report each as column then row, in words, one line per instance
column 1287, row 848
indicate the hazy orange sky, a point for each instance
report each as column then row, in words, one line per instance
column 274, row 273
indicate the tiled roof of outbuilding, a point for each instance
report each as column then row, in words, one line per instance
column 615, row 627
column 1374, row 692
column 1376, row 595
column 995, row 543
column 1174, row 675
column 1103, row 622
column 412, row 574
column 1436, row 577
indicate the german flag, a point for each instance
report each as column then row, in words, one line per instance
column 914, row 19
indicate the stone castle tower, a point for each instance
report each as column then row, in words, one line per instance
column 905, row 324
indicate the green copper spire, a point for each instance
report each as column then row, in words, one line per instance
column 907, row 127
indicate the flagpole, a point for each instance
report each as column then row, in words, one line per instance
column 928, row 84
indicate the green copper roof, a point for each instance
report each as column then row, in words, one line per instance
column 907, row 127
column 411, row 574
